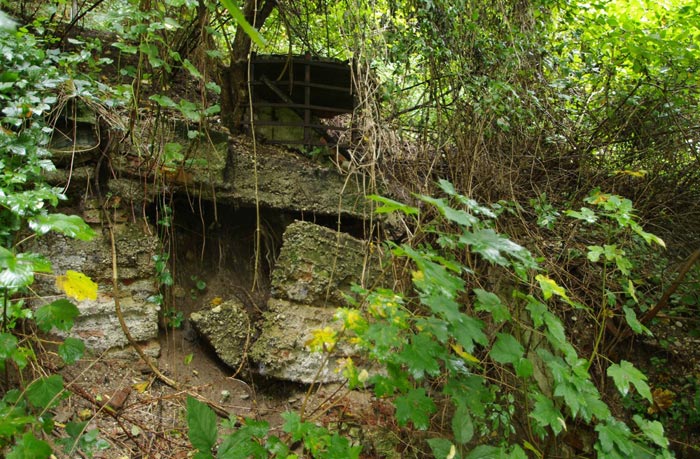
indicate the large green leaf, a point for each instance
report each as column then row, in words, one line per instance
column 443, row 448
column 462, row 425
column 624, row 374
column 546, row 414
column 389, row 206
column 415, row 407
column 60, row 314
column 201, row 421
column 468, row 331
column 457, row 216
column 71, row 350
column 237, row 14
column 421, row 356
column 17, row 271
column 8, row 343
column 44, row 392
column 614, row 440
column 491, row 303
column 506, row 349
column 69, row 225
column 653, row 430
column 30, row 447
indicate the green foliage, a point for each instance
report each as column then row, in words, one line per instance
column 252, row 439
column 81, row 439
column 29, row 81
column 201, row 421
column 438, row 336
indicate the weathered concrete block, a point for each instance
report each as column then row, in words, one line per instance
column 281, row 350
column 98, row 324
column 316, row 265
column 226, row 328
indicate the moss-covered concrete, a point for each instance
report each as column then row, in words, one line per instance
column 281, row 350
column 227, row 328
column 97, row 323
column 316, row 265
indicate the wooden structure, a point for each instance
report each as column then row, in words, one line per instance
column 292, row 94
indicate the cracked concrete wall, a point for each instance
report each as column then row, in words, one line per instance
column 98, row 325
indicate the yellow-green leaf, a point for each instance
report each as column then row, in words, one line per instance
column 77, row 285
column 550, row 287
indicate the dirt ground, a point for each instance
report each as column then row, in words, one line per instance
column 140, row 417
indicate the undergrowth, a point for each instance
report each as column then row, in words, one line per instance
column 498, row 364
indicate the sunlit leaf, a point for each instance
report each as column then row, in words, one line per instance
column 653, row 430
column 549, row 287
column 389, row 205
column 238, row 16
column 77, row 285
column 69, row 225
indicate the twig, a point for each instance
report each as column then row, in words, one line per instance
column 117, row 307
column 663, row 301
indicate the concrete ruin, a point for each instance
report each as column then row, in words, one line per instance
column 307, row 278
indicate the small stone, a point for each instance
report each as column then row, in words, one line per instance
column 679, row 324
column 244, row 396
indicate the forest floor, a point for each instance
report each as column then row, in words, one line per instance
column 140, row 417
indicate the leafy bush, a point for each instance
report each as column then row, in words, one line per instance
column 512, row 379
column 29, row 80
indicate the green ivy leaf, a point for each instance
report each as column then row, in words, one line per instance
column 586, row 214
column 494, row 247
column 624, row 374
column 458, row 216
column 524, row 368
column 43, row 392
column 340, row 447
column 294, row 426
column 506, row 349
column 71, row 350
column 488, row 452
column 163, row 101
column 60, row 314
column 237, row 14
column 244, row 442
column 594, row 253
column 192, row 69
column 201, row 421
column 416, row 407
column 491, row 303
column 17, row 271
column 69, row 225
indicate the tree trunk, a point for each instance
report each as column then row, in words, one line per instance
column 234, row 95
